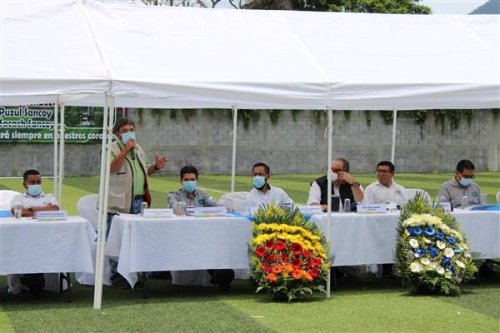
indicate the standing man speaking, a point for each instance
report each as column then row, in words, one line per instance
column 128, row 181
column 130, row 168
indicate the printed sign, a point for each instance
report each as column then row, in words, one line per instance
column 35, row 124
column 371, row 209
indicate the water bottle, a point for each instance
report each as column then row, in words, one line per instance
column 347, row 205
column 144, row 205
column 465, row 202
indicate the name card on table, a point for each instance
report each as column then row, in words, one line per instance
column 52, row 215
column 308, row 211
column 445, row 205
column 158, row 212
column 371, row 209
column 206, row 211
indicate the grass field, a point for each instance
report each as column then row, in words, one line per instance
column 364, row 305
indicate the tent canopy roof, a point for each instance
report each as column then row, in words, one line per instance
column 174, row 57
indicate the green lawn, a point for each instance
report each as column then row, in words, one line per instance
column 296, row 185
column 366, row 305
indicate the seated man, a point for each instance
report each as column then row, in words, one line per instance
column 191, row 196
column 343, row 183
column 32, row 201
column 385, row 189
column 263, row 193
column 188, row 193
column 462, row 185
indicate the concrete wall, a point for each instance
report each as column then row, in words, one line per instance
column 289, row 147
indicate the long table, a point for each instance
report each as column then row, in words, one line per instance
column 186, row 243
column 31, row 246
column 359, row 239
column 177, row 243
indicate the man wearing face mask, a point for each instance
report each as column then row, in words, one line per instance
column 34, row 200
column 462, row 185
column 344, row 185
column 263, row 193
column 130, row 168
column 128, row 182
column 192, row 196
column 189, row 193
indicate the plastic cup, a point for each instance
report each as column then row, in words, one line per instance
column 18, row 211
column 180, row 208
column 483, row 198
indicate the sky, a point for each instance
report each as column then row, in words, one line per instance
column 452, row 7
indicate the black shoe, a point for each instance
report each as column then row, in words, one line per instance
column 35, row 283
column 119, row 281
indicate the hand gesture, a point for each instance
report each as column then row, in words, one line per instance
column 160, row 162
column 346, row 177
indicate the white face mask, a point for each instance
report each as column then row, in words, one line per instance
column 465, row 182
column 334, row 175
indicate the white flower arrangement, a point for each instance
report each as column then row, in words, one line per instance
column 431, row 254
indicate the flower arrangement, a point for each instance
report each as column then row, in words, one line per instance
column 288, row 255
column 432, row 255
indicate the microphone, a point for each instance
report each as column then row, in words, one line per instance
column 133, row 153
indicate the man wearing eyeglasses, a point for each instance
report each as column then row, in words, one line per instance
column 385, row 189
column 462, row 185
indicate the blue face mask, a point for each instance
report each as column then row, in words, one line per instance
column 465, row 182
column 128, row 136
column 34, row 190
column 259, row 181
column 189, row 185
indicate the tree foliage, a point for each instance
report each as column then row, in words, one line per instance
column 358, row 6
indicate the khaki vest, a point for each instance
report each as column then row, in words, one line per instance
column 121, row 182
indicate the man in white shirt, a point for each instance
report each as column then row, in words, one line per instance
column 385, row 189
column 263, row 193
column 343, row 184
column 32, row 201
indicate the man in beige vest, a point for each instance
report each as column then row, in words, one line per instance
column 128, row 183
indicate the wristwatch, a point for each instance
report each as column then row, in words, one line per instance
column 356, row 184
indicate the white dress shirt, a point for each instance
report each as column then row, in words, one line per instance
column 27, row 201
column 273, row 195
column 315, row 193
column 376, row 193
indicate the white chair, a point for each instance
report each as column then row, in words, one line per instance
column 6, row 197
column 410, row 193
column 87, row 208
column 235, row 201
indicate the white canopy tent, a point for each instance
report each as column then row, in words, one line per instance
column 168, row 57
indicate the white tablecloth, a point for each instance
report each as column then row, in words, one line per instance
column 30, row 246
column 359, row 239
column 177, row 243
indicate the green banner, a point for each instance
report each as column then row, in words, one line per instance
column 35, row 124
